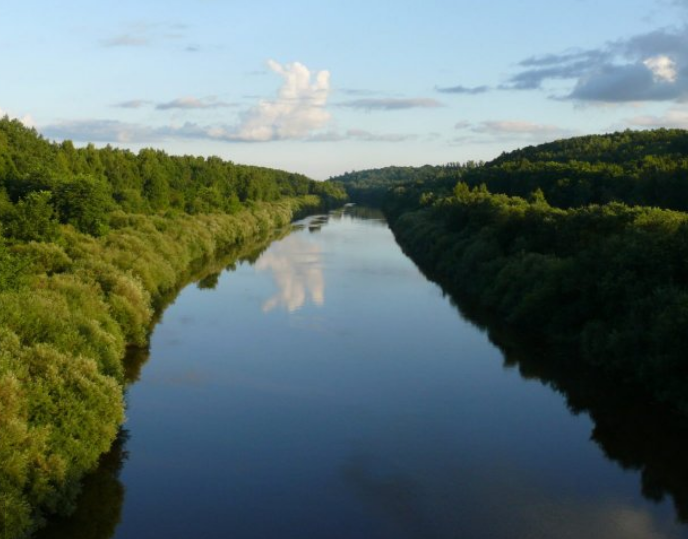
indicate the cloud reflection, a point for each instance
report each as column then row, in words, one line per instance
column 297, row 269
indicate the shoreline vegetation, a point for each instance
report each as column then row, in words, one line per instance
column 580, row 245
column 92, row 243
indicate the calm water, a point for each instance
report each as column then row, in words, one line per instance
column 329, row 390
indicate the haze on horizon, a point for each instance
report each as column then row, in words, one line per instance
column 324, row 88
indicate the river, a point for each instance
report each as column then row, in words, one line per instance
column 328, row 389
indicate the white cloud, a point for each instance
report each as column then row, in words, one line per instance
column 101, row 131
column 133, row 104
column 392, row 104
column 508, row 132
column 298, row 110
column 360, row 135
column 674, row 118
column 663, row 68
column 297, row 113
column 510, row 127
column 189, row 103
column 367, row 136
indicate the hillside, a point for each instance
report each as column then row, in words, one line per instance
column 577, row 244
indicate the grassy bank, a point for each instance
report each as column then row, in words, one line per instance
column 68, row 310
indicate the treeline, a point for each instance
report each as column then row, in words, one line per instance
column 42, row 183
column 646, row 168
column 91, row 242
column 603, row 278
column 371, row 186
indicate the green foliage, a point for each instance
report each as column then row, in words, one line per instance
column 372, row 187
column 12, row 268
column 32, row 219
column 647, row 168
column 88, row 183
column 84, row 202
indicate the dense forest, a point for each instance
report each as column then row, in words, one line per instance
column 92, row 241
column 581, row 244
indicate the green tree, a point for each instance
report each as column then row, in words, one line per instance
column 84, row 202
column 33, row 219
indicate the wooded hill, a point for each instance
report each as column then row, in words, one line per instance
column 578, row 243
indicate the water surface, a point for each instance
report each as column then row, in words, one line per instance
column 330, row 390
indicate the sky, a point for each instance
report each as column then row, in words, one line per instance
column 332, row 86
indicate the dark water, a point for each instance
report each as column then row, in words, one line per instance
column 329, row 390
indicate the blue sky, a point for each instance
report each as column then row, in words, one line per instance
column 332, row 86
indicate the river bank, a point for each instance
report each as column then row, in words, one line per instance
column 63, row 336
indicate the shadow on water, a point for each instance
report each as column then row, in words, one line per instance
column 629, row 426
column 99, row 505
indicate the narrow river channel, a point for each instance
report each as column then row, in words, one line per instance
column 328, row 389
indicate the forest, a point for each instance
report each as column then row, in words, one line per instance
column 92, row 242
column 581, row 244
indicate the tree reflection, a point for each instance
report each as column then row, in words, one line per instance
column 99, row 506
column 631, row 429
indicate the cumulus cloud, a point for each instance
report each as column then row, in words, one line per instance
column 391, row 104
column 298, row 110
column 189, row 103
column 662, row 67
column 647, row 67
column 465, row 90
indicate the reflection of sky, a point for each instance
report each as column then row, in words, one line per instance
column 490, row 506
column 296, row 266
